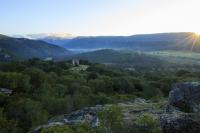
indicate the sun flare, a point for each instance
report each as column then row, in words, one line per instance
column 197, row 33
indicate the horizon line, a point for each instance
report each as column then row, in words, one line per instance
column 74, row 35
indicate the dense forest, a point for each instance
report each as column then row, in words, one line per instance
column 44, row 89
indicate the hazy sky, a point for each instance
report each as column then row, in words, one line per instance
column 99, row 17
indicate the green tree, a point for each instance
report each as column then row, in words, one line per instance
column 26, row 112
column 56, row 106
column 16, row 81
column 7, row 126
column 37, row 77
column 111, row 119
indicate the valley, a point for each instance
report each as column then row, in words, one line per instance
column 99, row 66
column 101, row 87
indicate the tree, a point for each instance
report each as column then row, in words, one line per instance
column 123, row 85
column 6, row 126
column 16, row 81
column 37, row 77
column 150, row 91
column 26, row 112
column 56, row 106
column 92, row 75
column 80, row 100
column 111, row 119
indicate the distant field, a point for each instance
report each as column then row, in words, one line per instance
column 176, row 57
column 190, row 55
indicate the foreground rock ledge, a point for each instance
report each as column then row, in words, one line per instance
column 170, row 114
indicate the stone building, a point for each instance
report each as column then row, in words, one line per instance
column 75, row 62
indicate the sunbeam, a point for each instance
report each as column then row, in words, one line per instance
column 190, row 42
column 197, row 33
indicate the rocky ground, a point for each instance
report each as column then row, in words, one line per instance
column 177, row 114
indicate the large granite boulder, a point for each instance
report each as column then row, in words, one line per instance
column 185, row 96
column 179, row 124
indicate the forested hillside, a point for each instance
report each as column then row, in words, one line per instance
column 39, row 90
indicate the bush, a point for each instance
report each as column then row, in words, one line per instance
column 150, row 91
column 57, row 129
column 111, row 119
column 149, row 123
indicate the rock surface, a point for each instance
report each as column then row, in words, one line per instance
column 185, row 96
column 85, row 115
column 180, row 124
column 5, row 91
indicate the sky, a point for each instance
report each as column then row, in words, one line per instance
column 99, row 17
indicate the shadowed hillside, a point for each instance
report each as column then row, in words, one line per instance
column 25, row 48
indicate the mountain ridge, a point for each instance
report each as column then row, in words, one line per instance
column 26, row 48
column 144, row 42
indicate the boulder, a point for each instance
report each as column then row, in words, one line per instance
column 5, row 91
column 179, row 124
column 85, row 115
column 185, row 96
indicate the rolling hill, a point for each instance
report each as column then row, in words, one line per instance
column 25, row 48
column 142, row 60
column 120, row 58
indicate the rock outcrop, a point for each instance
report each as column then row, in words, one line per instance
column 170, row 114
column 85, row 115
column 186, row 96
column 179, row 124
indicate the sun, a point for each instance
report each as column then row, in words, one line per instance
column 197, row 33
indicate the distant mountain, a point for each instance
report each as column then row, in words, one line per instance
column 51, row 35
column 25, row 48
column 56, row 41
column 183, row 41
column 52, row 38
column 146, row 42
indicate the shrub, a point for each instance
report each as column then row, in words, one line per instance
column 111, row 119
column 58, row 129
column 149, row 122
